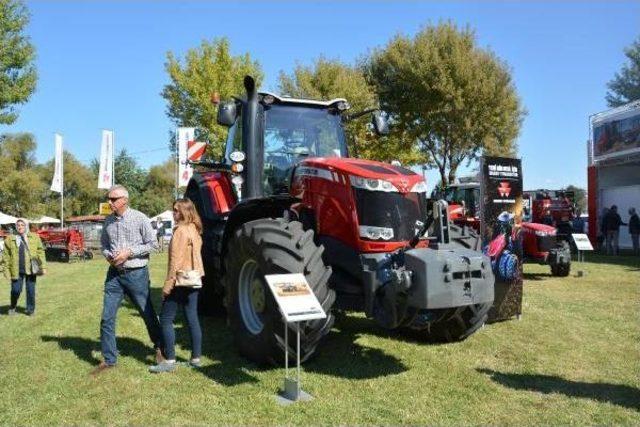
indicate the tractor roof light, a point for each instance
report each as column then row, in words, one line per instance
column 237, row 156
column 343, row 106
column 268, row 99
column 419, row 187
column 372, row 184
column 237, row 167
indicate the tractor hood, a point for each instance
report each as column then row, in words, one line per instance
column 534, row 227
column 402, row 178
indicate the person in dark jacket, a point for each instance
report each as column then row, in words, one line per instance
column 547, row 218
column 634, row 230
column 612, row 223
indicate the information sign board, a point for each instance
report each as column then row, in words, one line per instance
column 295, row 298
column 582, row 242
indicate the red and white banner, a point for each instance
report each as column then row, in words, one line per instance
column 58, row 177
column 185, row 135
column 105, row 175
column 195, row 150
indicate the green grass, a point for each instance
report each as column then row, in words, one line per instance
column 573, row 358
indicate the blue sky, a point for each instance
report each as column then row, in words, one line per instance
column 101, row 64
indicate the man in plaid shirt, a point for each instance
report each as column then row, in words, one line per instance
column 127, row 240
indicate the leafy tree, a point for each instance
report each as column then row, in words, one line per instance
column 580, row 197
column 21, row 189
column 158, row 195
column 328, row 79
column 17, row 73
column 625, row 86
column 127, row 172
column 81, row 195
column 453, row 98
column 207, row 69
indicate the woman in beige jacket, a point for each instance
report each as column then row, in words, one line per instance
column 184, row 256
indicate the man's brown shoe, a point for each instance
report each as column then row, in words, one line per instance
column 159, row 356
column 103, row 366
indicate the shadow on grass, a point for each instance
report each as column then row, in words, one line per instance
column 626, row 260
column 617, row 394
column 5, row 309
column 535, row 276
column 83, row 348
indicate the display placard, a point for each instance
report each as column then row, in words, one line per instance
column 104, row 209
column 582, row 242
column 295, row 297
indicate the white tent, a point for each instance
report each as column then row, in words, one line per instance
column 46, row 220
column 7, row 219
column 164, row 216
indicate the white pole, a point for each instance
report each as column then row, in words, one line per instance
column 113, row 155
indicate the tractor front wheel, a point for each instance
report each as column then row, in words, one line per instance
column 451, row 324
column 273, row 246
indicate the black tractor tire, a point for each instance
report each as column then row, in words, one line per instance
column 273, row 246
column 451, row 324
column 560, row 270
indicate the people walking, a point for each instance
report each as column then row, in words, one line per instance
column 612, row 226
column 634, row 230
column 181, row 287
column 24, row 260
column 127, row 240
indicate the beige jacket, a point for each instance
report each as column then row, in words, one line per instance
column 185, row 239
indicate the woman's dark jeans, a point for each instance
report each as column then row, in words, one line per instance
column 188, row 299
column 16, row 289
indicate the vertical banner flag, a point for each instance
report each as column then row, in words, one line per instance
column 105, row 175
column 57, row 182
column 500, row 219
column 185, row 135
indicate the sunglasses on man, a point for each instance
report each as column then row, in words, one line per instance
column 114, row 199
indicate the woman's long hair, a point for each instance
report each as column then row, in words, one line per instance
column 187, row 213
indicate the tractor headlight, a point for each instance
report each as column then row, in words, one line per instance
column 372, row 184
column 376, row 233
column 419, row 187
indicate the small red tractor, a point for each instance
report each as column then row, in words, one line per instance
column 541, row 243
column 63, row 244
column 286, row 198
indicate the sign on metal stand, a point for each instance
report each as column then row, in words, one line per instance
column 582, row 244
column 297, row 303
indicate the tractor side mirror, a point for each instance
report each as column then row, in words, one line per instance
column 227, row 114
column 380, row 123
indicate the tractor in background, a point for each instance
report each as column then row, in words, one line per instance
column 286, row 198
column 541, row 243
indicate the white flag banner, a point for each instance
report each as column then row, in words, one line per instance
column 105, row 175
column 58, row 177
column 185, row 170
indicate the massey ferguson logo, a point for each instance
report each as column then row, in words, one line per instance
column 504, row 189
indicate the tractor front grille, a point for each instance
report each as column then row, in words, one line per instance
column 546, row 243
column 392, row 210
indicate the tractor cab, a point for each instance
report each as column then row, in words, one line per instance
column 288, row 131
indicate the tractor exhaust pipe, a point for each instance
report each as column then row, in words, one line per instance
column 250, row 141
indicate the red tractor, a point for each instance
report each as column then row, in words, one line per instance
column 287, row 199
column 541, row 243
column 64, row 244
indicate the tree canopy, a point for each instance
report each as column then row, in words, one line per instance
column 17, row 72
column 452, row 98
column 327, row 79
column 625, row 86
column 207, row 69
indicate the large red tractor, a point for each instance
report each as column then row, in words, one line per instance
column 287, row 199
column 541, row 243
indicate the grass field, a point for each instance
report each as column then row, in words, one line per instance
column 573, row 358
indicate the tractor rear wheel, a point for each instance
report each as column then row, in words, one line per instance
column 273, row 246
column 450, row 324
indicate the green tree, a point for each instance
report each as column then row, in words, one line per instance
column 158, row 195
column 452, row 98
column 328, row 79
column 580, row 198
column 17, row 73
column 625, row 86
column 21, row 189
column 81, row 195
column 208, row 69
column 127, row 172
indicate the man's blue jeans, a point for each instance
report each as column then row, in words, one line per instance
column 188, row 299
column 134, row 284
column 16, row 290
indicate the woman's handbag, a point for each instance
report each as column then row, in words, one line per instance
column 189, row 278
column 36, row 264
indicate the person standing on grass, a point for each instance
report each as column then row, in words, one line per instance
column 127, row 240
column 634, row 230
column 184, row 255
column 18, row 252
column 612, row 224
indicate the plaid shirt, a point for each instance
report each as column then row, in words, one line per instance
column 132, row 231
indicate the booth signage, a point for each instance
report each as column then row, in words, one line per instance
column 582, row 242
column 295, row 298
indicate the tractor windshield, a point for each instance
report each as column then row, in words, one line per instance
column 293, row 133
